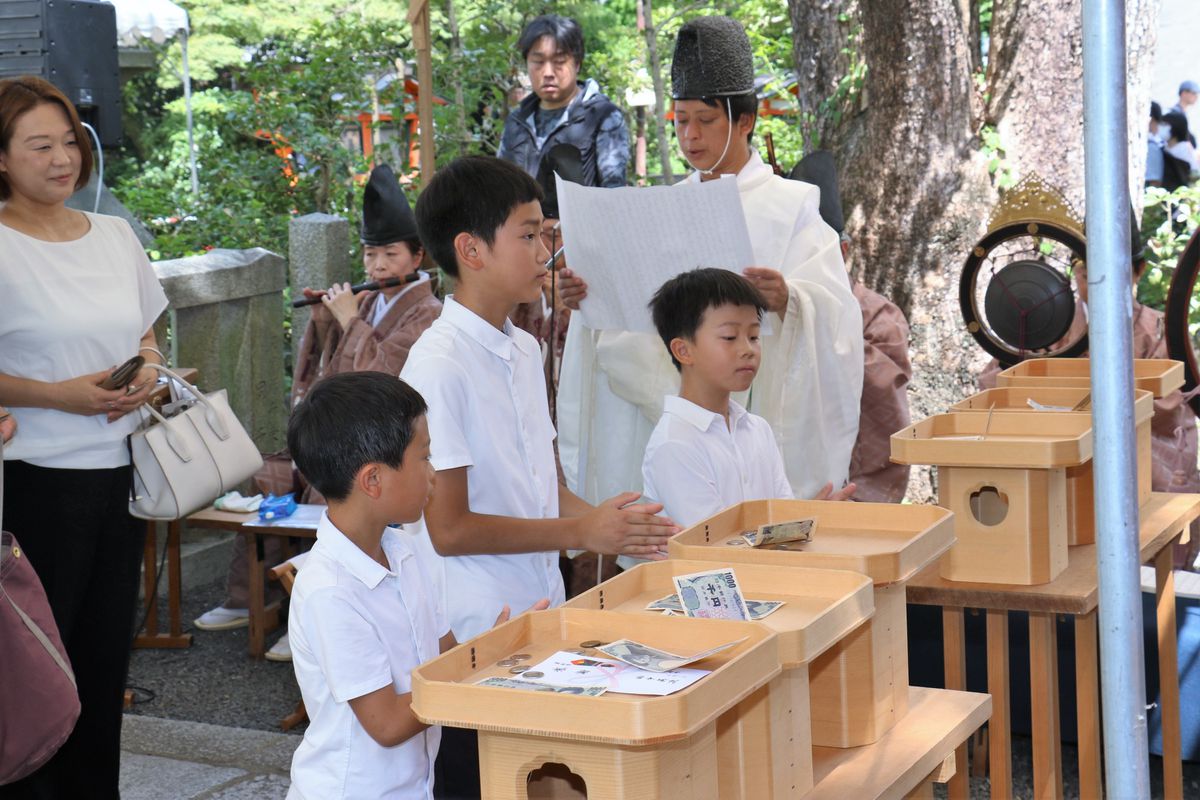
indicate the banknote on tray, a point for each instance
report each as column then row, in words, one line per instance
column 513, row 683
column 756, row 608
column 796, row 530
column 714, row 594
column 650, row 658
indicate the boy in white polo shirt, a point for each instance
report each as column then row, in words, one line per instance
column 364, row 609
column 707, row 452
column 500, row 514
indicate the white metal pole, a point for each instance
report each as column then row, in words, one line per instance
column 1110, row 332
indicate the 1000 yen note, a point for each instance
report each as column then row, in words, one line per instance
column 512, row 683
column 797, row 530
column 762, row 608
column 650, row 658
column 670, row 602
column 711, row 595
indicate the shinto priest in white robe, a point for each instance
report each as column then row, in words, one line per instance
column 612, row 383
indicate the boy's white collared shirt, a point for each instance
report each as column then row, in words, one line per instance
column 356, row 627
column 695, row 465
column 488, row 412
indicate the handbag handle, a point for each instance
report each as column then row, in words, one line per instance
column 211, row 416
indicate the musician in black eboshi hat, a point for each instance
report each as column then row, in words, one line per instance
column 809, row 384
column 348, row 332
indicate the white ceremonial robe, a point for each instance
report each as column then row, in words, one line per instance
column 809, row 384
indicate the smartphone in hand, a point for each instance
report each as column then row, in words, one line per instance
column 123, row 375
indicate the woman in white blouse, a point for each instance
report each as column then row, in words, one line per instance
column 77, row 297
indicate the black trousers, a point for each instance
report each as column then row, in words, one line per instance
column 74, row 526
column 456, row 770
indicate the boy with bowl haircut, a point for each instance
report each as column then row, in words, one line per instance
column 707, row 452
column 500, row 515
column 363, row 610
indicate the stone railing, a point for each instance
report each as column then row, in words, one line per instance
column 227, row 311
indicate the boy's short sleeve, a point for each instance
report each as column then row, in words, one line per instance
column 680, row 477
column 346, row 646
column 443, row 384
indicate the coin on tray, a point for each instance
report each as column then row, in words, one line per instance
column 534, row 674
column 506, row 662
column 520, row 657
column 591, row 643
column 517, row 670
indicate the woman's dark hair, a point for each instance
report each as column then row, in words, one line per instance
column 565, row 32
column 471, row 194
column 740, row 105
column 679, row 305
column 1178, row 124
column 19, row 96
column 348, row 421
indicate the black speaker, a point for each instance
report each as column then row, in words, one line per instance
column 72, row 44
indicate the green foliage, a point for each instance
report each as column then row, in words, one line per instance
column 1165, row 241
column 998, row 165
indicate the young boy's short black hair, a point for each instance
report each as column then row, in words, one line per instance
column 565, row 32
column 471, row 194
column 739, row 105
column 348, row 421
column 679, row 305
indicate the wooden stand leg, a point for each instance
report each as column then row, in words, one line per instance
column 263, row 618
column 1043, row 690
column 1087, row 703
column 1000, row 726
column 1168, row 675
column 954, row 657
column 150, row 636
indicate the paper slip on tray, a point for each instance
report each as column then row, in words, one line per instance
column 1029, row 399
column 446, row 690
column 885, row 541
column 820, row 606
column 1160, row 376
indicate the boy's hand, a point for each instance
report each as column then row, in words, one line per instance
column 617, row 528
column 571, row 288
column 827, row 492
column 771, row 286
column 8, row 425
column 506, row 614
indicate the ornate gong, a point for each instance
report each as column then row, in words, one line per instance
column 1015, row 291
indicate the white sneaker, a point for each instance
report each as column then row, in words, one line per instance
column 281, row 650
column 222, row 619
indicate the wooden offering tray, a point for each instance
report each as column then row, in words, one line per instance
column 1081, row 513
column 619, row 745
column 1004, row 475
column 822, row 605
column 1160, row 376
column 1002, row 439
column 764, row 744
column 859, row 686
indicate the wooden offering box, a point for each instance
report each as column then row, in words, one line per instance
column 1081, row 513
column 1159, row 376
column 1003, row 475
column 859, row 686
column 619, row 745
column 764, row 744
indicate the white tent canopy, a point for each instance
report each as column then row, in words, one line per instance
column 158, row 21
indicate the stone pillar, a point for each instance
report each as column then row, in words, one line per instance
column 228, row 324
column 318, row 257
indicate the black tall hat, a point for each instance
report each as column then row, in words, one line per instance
column 567, row 161
column 387, row 216
column 712, row 59
column 818, row 169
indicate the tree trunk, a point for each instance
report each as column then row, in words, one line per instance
column 660, row 127
column 456, row 55
column 1035, row 87
column 820, row 30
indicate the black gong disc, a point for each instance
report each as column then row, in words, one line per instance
column 1029, row 305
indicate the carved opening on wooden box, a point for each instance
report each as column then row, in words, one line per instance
column 554, row 781
column 989, row 505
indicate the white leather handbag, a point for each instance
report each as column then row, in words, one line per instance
column 183, row 462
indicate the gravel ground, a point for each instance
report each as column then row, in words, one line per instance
column 215, row 682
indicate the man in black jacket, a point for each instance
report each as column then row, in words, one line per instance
column 561, row 110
